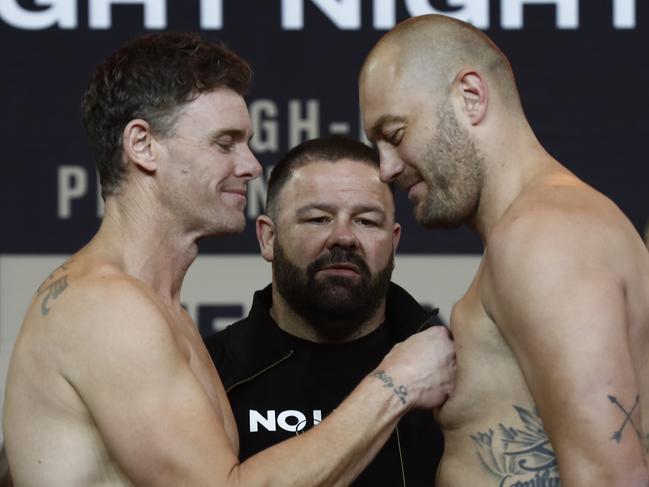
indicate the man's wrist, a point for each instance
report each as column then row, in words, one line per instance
column 398, row 391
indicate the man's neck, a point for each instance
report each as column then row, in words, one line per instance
column 511, row 165
column 294, row 324
column 147, row 245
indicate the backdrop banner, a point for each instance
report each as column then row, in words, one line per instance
column 582, row 68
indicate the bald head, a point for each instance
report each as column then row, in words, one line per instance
column 430, row 50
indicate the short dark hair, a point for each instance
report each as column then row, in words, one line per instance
column 331, row 148
column 150, row 77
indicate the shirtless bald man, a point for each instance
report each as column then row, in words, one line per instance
column 552, row 335
column 110, row 383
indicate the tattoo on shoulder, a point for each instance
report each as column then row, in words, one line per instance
column 627, row 420
column 401, row 391
column 519, row 457
column 52, row 288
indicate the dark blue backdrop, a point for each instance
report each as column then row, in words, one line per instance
column 582, row 69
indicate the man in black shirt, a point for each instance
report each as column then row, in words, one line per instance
column 331, row 313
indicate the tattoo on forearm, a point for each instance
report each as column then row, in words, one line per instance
column 52, row 289
column 522, row 457
column 628, row 420
column 401, row 391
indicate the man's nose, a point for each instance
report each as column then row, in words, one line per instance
column 391, row 166
column 248, row 166
column 342, row 235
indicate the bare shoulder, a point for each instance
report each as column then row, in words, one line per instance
column 562, row 243
column 563, row 222
column 75, row 289
column 81, row 312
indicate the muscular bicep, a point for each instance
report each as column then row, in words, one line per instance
column 563, row 313
column 151, row 413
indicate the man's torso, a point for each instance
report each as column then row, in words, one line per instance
column 51, row 436
column 491, row 415
column 493, row 433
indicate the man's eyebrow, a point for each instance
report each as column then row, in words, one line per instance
column 237, row 134
column 301, row 211
column 314, row 206
column 383, row 120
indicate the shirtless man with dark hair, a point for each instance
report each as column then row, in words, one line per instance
column 552, row 335
column 109, row 382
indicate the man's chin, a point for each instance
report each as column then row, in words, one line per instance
column 338, row 292
column 239, row 226
column 234, row 225
column 423, row 216
column 428, row 219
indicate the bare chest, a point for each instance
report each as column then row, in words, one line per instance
column 203, row 369
column 489, row 382
column 491, row 426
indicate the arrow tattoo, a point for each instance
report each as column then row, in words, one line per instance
column 617, row 436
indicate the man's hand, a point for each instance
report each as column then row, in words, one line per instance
column 421, row 370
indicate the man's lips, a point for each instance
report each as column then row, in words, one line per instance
column 411, row 190
column 341, row 268
column 235, row 191
column 407, row 182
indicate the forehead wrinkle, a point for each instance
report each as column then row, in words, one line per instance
column 202, row 122
column 356, row 209
column 380, row 90
column 304, row 185
column 363, row 208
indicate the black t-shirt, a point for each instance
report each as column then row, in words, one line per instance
column 296, row 394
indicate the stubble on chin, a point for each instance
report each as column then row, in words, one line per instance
column 431, row 215
column 225, row 225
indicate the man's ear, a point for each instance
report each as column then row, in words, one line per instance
column 474, row 94
column 138, row 144
column 265, row 236
column 396, row 236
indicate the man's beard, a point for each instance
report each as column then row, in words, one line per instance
column 452, row 169
column 334, row 306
